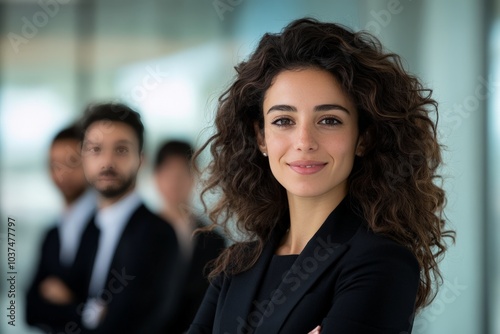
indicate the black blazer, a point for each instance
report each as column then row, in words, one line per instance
column 52, row 318
column 207, row 247
column 139, row 287
column 143, row 275
column 347, row 279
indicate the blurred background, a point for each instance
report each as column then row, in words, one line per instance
column 172, row 59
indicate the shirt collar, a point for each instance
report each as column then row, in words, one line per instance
column 72, row 224
column 115, row 216
column 80, row 210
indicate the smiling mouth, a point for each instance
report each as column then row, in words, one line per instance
column 307, row 168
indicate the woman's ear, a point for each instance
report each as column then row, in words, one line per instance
column 259, row 134
column 362, row 143
column 360, row 149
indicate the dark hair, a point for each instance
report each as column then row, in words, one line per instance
column 116, row 112
column 71, row 132
column 173, row 148
column 393, row 182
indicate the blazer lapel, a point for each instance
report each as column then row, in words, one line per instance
column 320, row 253
column 243, row 289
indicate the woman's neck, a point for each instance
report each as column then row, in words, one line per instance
column 307, row 214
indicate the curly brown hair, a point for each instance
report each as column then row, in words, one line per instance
column 394, row 182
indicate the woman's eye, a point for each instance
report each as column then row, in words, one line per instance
column 282, row 122
column 94, row 149
column 330, row 121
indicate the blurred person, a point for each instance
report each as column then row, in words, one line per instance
column 325, row 156
column 175, row 181
column 54, row 292
column 136, row 262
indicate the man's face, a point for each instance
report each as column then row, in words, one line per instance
column 66, row 168
column 111, row 157
column 174, row 180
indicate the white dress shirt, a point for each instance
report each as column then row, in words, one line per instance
column 72, row 223
column 111, row 222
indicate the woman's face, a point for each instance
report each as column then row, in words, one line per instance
column 310, row 133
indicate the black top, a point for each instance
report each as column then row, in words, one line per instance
column 277, row 269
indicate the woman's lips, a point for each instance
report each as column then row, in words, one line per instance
column 307, row 167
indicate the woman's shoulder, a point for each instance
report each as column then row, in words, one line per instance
column 235, row 256
column 368, row 246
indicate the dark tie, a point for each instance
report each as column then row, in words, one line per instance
column 85, row 257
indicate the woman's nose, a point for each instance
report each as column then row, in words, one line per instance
column 305, row 140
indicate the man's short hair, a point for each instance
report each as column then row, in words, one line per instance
column 71, row 132
column 173, row 148
column 115, row 112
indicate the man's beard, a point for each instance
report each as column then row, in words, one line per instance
column 113, row 191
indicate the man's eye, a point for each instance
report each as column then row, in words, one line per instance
column 122, row 150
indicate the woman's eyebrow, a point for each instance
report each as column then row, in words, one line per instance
column 282, row 107
column 321, row 107
column 326, row 107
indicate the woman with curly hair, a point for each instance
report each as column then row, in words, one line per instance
column 325, row 157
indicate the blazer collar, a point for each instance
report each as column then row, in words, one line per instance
column 242, row 291
column 324, row 248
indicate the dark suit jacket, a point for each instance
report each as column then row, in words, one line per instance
column 347, row 279
column 142, row 277
column 207, row 247
column 53, row 318
column 139, row 286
